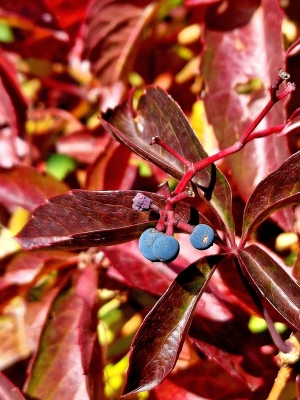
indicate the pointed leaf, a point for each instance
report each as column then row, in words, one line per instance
column 91, row 354
column 111, row 47
column 158, row 342
column 159, row 115
column 272, row 282
column 82, row 219
column 57, row 369
column 279, row 189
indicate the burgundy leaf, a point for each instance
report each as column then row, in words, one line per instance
column 91, row 354
column 84, row 145
column 17, row 116
column 13, row 107
column 111, row 46
column 230, row 107
column 45, row 30
column 82, row 219
column 26, row 266
column 272, row 283
column 158, row 115
column 169, row 390
column 279, row 189
column 231, row 364
column 8, row 391
column 25, row 187
column 111, row 171
column 145, row 275
column 158, row 342
column 57, row 370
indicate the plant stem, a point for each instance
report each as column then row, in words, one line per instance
column 243, row 140
column 284, row 347
column 280, row 383
column 169, row 149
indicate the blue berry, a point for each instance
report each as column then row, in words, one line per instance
column 202, row 237
column 166, row 248
column 146, row 242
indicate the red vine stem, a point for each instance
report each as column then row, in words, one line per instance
column 166, row 219
column 243, row 140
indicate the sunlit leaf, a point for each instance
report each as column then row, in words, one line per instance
column 272, row 282
column 279, row 189
column 82, row 219
column 64, row 358
column 158, row 342
column 111, row 48
column 158, row 115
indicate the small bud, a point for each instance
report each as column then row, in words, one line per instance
column 282, row 74
column 141, row 202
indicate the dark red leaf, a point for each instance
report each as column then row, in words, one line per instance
column 17, row 117
column 45, row 30
column 169, row 390
column 13, row 107
column 272, row 283
column 111, row 47
column 145, row 275
column 82, row 219
column 279, row 189
column 111, row 171
column 57, row 368
column 231, row 109
column 8, row 391
column 25, row 187
column 91, row 353
column 158, row 342
column 158, row 115
column 26, row 266
column 84, row 145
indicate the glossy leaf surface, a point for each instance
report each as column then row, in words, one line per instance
column 158, row 115
column 70, row 337
column 158, row 342
column 81, row 219
column 272, row 282
column 279, row 189
column 111, row 48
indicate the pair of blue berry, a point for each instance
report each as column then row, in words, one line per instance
column 157, row 246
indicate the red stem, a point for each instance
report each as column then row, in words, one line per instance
column 243, row 140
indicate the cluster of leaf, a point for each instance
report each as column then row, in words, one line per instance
column 74, row 296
